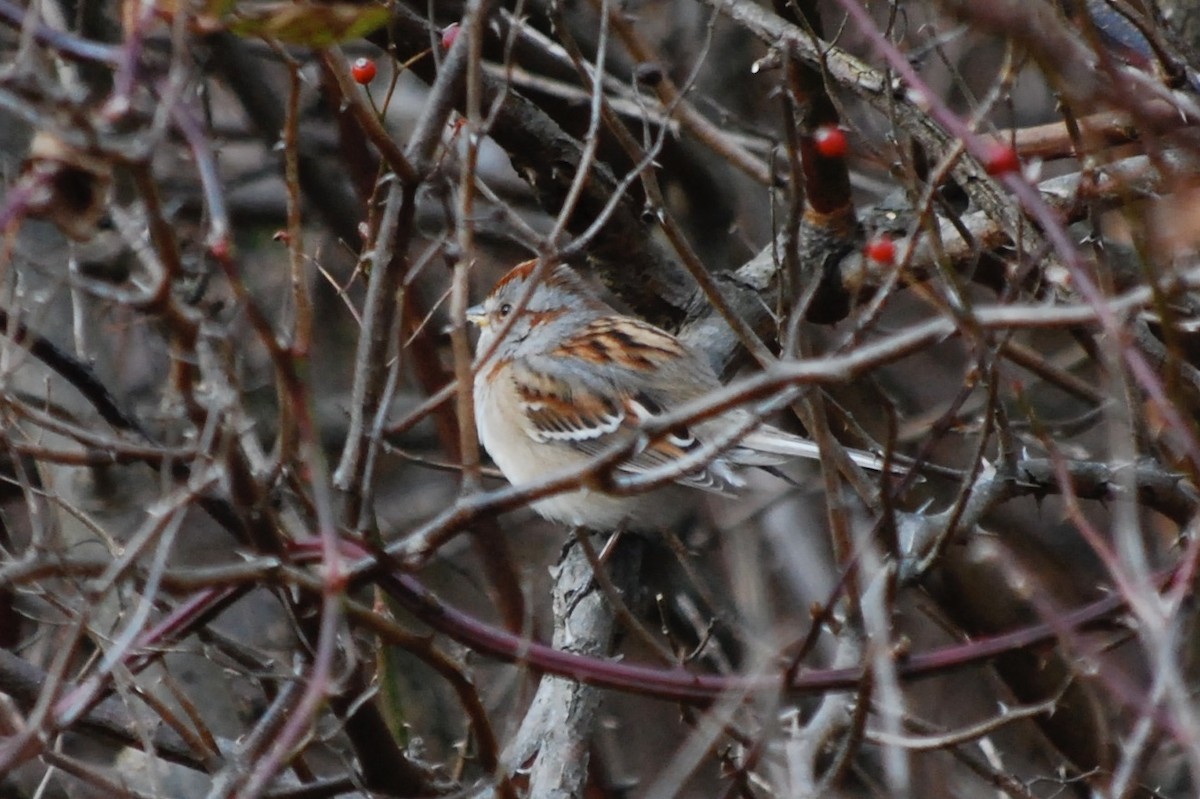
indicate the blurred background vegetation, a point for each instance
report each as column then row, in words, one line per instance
column 240, row 553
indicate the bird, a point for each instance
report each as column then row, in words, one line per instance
column 565, row 377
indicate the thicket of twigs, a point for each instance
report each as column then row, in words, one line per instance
column 247, row 549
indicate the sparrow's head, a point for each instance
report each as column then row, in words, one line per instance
column 559, row 292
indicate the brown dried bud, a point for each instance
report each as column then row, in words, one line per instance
column 67, row 185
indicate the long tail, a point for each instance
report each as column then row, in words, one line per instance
column 768, row 441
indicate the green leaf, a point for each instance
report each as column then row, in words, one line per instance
column 313, row 25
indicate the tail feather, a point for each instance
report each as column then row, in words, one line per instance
column 757, row 449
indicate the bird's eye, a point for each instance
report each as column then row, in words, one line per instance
column 505, row 309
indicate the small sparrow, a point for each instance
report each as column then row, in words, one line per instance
column 571, row 377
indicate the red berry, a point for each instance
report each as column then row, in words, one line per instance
column 1000, row 159
column 449, row 34
column 881, row 249
column 363, row 71
column 220, row 249
column 831, row 141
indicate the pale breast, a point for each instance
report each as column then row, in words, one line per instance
column 502, row 431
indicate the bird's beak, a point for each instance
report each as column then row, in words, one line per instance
column 477, row 316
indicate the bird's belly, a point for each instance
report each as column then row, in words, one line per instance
column 524, row 460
